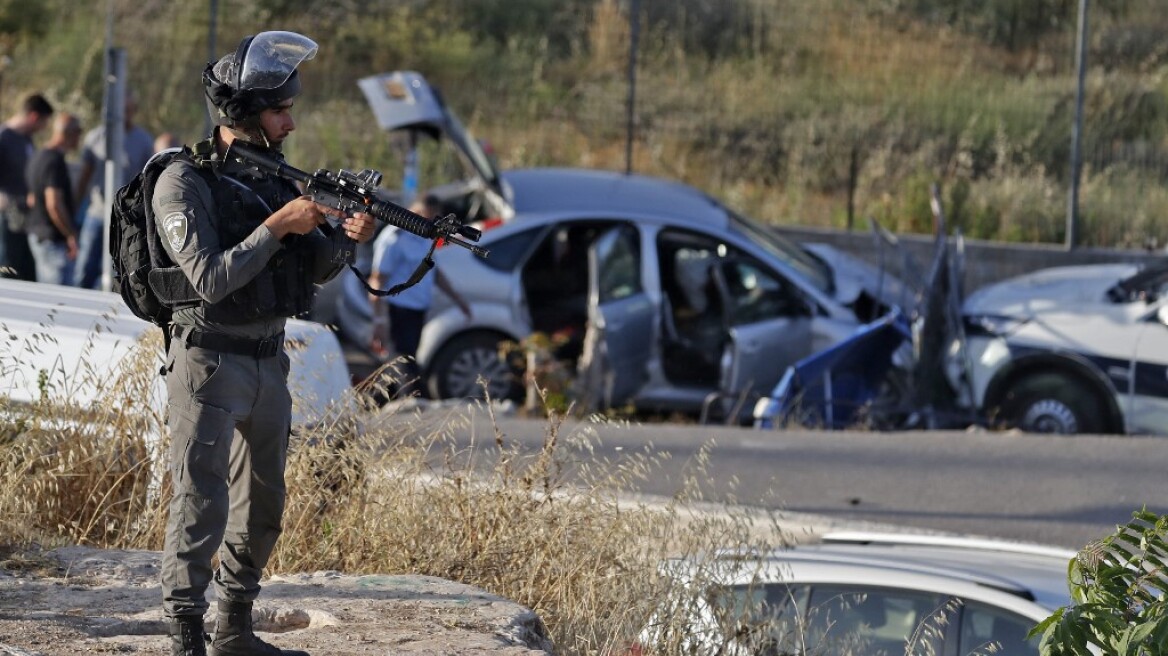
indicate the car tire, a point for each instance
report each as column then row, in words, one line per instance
column 1052, row 403
column 456, row 369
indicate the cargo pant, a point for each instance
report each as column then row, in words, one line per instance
column 228, row 493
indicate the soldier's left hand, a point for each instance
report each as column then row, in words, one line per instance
column 360, row 226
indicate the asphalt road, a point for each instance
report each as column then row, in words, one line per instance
column 1064, row 491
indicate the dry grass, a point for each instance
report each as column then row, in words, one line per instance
column 391, row 492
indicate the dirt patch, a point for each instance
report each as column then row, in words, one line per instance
column 81, row 600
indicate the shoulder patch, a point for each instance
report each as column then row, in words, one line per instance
column 175, row 227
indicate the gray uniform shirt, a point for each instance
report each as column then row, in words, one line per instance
column 185, row 214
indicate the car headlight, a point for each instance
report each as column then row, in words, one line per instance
column 994, row 325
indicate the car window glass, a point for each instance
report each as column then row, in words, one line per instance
column 505, row 253
column 983, row 626
column 873, row 621
column 755, row 294
column 750, row 291
column 814, row 270
column 620, row 266
column 759, row 619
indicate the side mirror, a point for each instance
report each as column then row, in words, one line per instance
column 1162, row 314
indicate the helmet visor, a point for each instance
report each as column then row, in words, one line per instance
column 272, row 57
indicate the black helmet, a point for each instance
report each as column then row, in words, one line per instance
column 260, row 74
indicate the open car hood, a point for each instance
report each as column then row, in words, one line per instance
column 404, row 100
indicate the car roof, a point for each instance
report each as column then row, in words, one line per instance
column 1029, row 572
column 608, row 193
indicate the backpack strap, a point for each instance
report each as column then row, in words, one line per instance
column 167, row 280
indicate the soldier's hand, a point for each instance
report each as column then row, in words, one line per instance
column 298, row 217
column 360, row 227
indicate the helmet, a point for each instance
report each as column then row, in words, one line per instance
column 260, row 74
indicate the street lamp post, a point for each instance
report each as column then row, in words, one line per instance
column 634, row 33
column 1077, row 130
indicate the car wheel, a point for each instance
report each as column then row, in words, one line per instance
column 457, row 368
column 1052, row 403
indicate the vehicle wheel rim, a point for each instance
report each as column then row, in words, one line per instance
column 1050, row 416
column 463, row 374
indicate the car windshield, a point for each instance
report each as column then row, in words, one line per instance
column 812, row 268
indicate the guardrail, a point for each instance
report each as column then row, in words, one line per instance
column 985, row 261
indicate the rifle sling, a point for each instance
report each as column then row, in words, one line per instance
column 420, row 272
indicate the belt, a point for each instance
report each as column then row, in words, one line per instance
column 256, row 348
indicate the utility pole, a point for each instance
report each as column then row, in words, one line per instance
column 634, row 32
column 211, row 48
column 1077, row 130
column 114, row 122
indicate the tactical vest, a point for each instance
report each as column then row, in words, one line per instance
column 284, row 288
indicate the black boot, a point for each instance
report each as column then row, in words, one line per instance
column 234, row 636
column 187, row 637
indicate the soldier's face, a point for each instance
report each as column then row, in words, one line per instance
column 277, row 122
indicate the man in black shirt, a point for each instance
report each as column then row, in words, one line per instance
column 16, row 148
column 51, row 228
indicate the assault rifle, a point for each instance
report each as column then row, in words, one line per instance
column 357, row 192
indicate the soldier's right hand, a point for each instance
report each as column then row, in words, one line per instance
column 299, row 216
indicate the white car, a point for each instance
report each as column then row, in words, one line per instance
column 62, row 344
column 869, row 594
column 1069, row 350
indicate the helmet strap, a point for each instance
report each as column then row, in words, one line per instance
column 248, row 129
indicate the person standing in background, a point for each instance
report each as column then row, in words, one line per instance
column 166, row 141
column 16, row 147
column 138, row 146
column 51, row 230
column 396, row 254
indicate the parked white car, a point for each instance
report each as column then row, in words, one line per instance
column 1070, row 350
column 64, row 342
column 869, row 594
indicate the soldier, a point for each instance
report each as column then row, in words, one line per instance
column 249, row 249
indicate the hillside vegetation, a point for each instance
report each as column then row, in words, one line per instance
column 823, row 113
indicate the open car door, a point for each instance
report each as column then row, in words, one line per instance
column 770, row 328
column 621, row 317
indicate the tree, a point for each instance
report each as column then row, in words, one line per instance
column 1118, row 586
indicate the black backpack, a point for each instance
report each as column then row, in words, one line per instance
column 141, row 265
column 134, row 244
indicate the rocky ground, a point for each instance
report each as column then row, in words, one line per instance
column 79, row 600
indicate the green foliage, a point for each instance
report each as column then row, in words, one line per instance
column 508, row 23
column 810, row 113
column 1118, row 586
column 737, row 28
column 1012, row 23
column 19, row 18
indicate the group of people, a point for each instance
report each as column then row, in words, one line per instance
column 52, row 219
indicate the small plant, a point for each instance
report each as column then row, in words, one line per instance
column 1118, row 585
